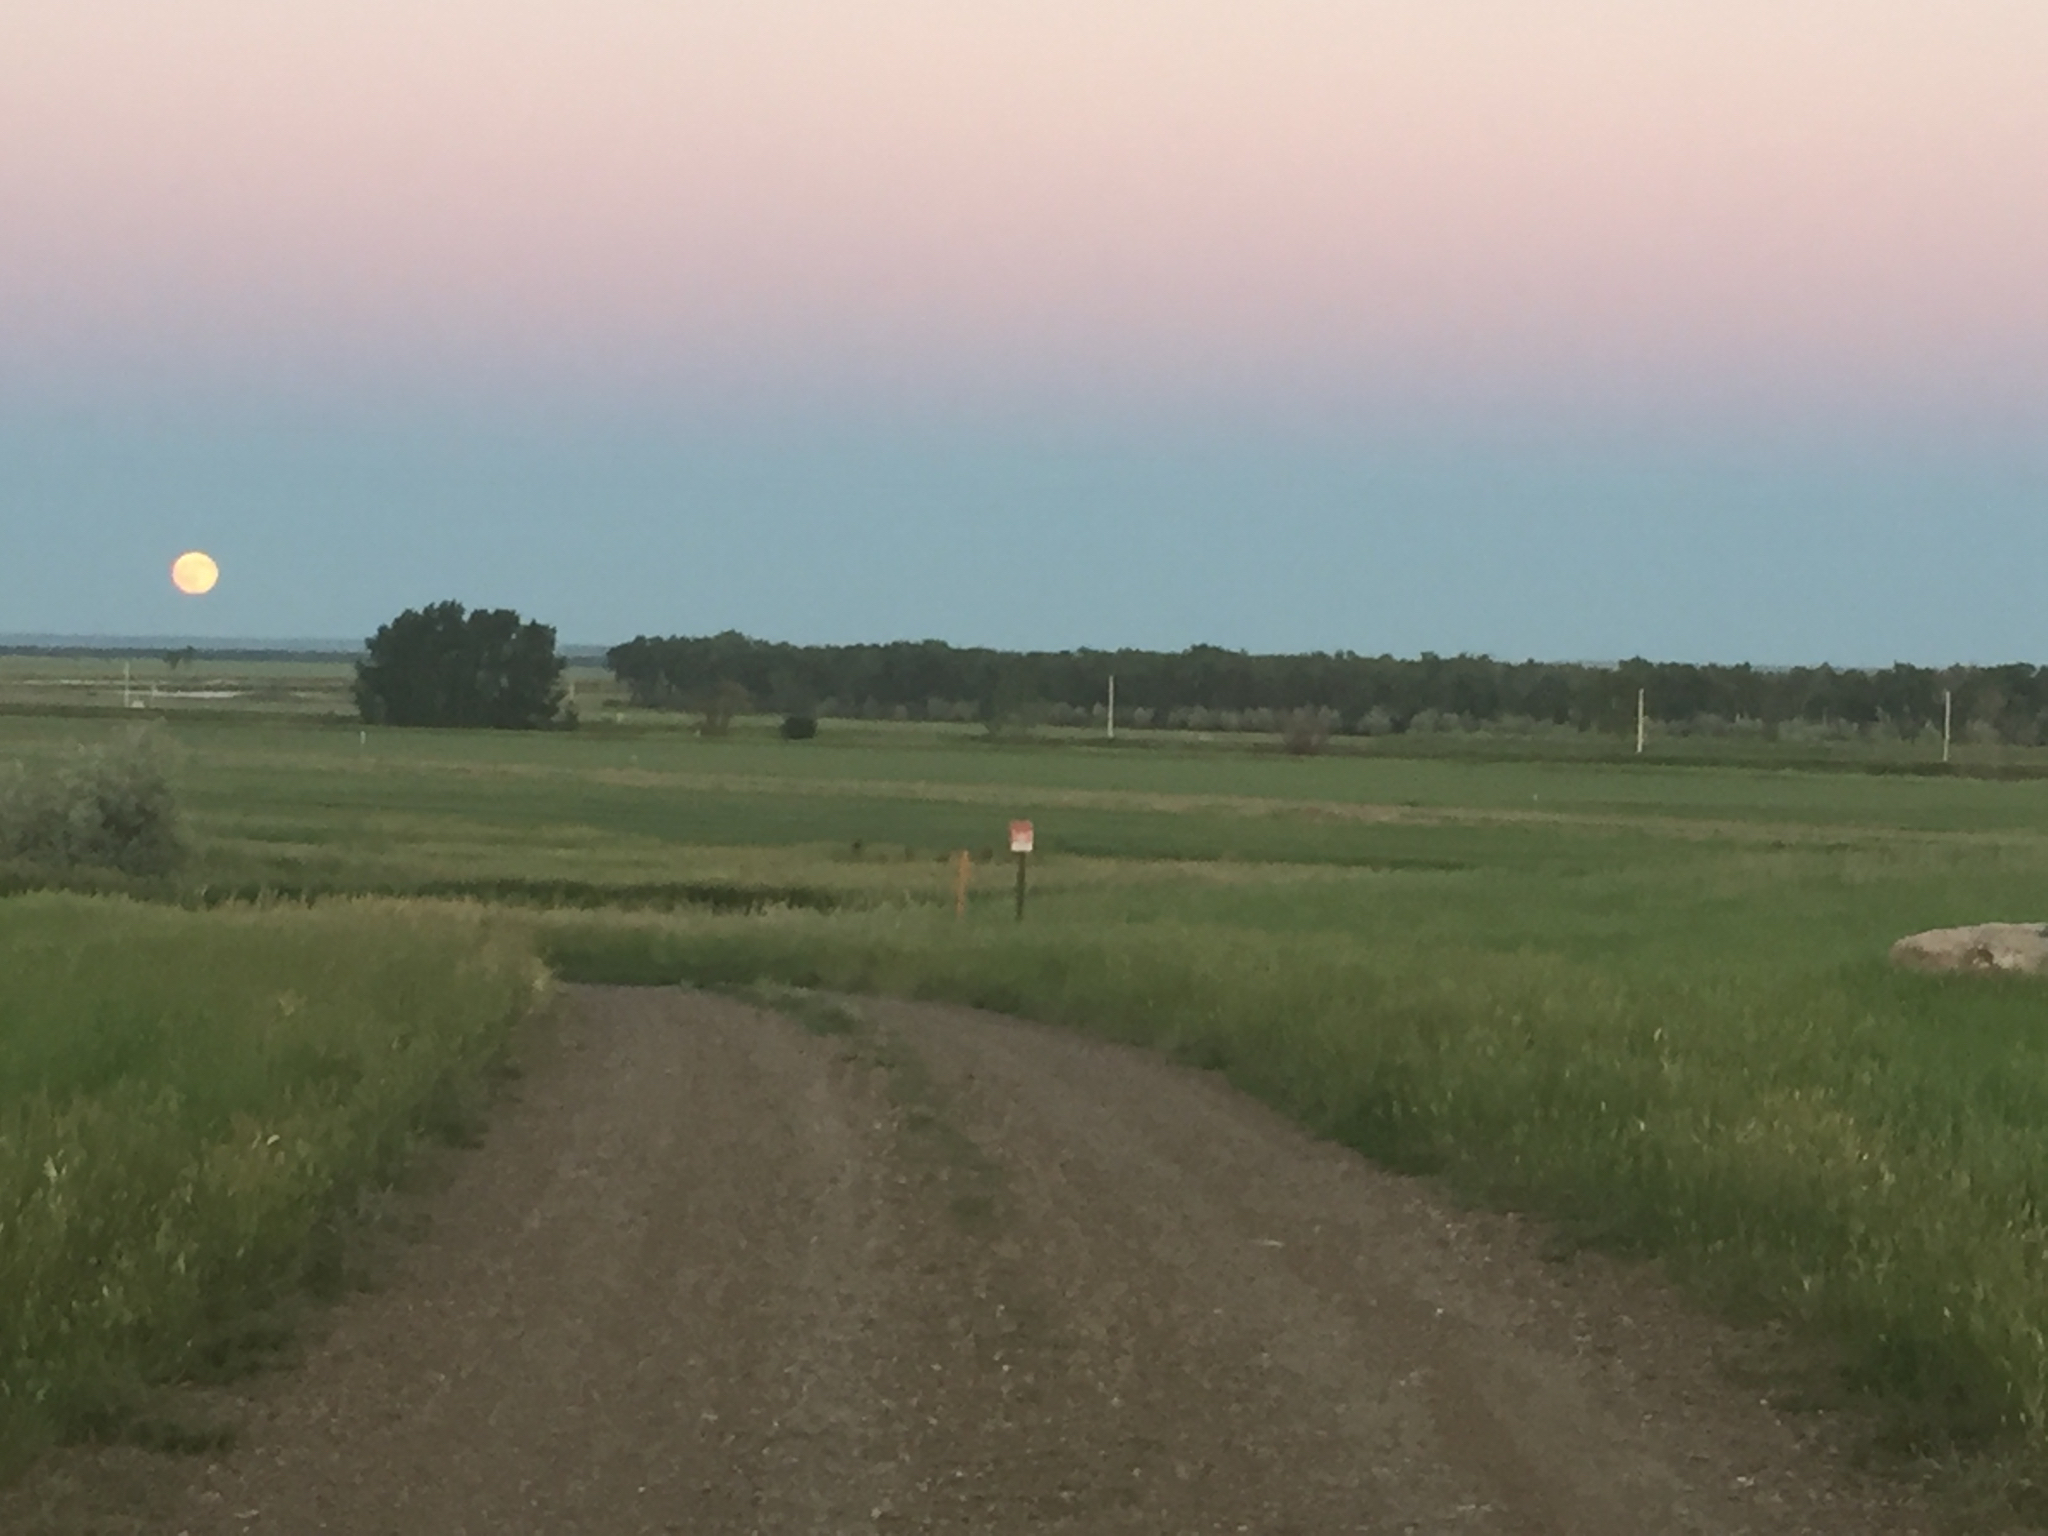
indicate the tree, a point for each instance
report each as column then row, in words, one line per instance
column 720, row 702
column 440, row 665
column 932, row 680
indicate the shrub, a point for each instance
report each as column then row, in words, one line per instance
column 1017, row 718
column 107, row 808
column 1305, row 732
column 799, row 727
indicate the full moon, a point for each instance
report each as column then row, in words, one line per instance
column 194, row 572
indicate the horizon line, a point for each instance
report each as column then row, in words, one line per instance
column 325, row 647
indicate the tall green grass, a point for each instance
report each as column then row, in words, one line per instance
column 189, row 1104
column 1861, row 1153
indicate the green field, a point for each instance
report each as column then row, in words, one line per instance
column 1648, row 999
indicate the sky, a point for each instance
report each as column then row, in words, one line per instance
column 1703, row 330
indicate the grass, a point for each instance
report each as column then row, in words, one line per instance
column 189, row 1106
column 1646, row 999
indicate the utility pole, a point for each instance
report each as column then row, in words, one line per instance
column 1948, row 710
column 1112, row 706
column 1641, row 719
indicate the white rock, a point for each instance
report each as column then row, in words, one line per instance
column 2017, row 947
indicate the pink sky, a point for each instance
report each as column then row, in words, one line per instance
column 1791, row 206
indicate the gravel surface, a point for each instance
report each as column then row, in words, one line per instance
column 910, row 1269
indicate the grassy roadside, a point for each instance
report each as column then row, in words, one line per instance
column 1857, row 1152
column 189, row 1105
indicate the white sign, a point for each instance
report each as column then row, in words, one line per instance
column 1020, row 837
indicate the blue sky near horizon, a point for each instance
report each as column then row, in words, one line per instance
column 1569, row 332
column 1049, row 539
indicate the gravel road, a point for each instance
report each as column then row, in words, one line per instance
column 908, row 1269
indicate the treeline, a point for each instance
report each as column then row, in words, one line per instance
column 1208, row 688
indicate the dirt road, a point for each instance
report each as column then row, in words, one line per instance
column 717, row 1271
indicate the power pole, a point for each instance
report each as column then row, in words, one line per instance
column 1948, row 707
column 1112, row 706
column 1641, row 694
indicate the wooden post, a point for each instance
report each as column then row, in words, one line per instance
column 1948, row 707
column 1641, row 694
column 1020, row 845
column 963, row 865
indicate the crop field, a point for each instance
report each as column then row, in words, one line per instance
column 1646, row 999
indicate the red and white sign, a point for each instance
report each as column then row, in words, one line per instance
column 1020, row 837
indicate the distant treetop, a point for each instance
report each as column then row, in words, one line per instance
column 929, row 679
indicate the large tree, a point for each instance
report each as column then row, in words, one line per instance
column 441, row 665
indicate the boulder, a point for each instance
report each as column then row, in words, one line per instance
column 2021, row 948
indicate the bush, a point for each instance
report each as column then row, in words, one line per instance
column 799, row 727
column 1305, row 732
column 108, row 808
